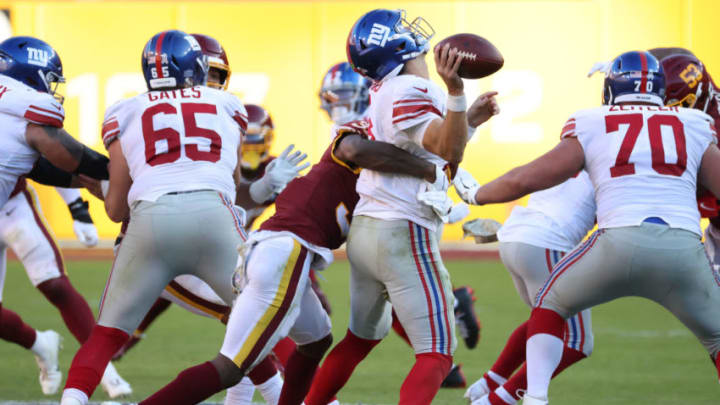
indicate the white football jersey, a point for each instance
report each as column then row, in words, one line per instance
column 19, row 105
column 399, row 112
column 643, row 162
column 178, row 140
column 557, row 218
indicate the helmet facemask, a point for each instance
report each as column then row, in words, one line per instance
column 222, row 70
column 52, row 81
column 343, row 103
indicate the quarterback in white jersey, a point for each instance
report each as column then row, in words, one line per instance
column 645, row 162
column 532, row 240
column 174, row 153
column 392, row 245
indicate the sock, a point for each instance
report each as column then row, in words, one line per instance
column 240, row 393
column 191, row 386
column 13, row 329
column 423, row 382
column 338, row 367
column 73, row 308
column 502, row 397
column 271, row 389
column 299, row 373
column 493, row 380
column 283, row 349
column 544, row 350
column 158, row 308
column 511, row 357
column 90, row 361
column 263, row 371
column 398, row 328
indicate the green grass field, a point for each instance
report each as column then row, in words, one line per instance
column 642, row 354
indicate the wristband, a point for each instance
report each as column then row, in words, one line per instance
column 456, row 103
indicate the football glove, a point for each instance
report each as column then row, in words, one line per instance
column 439, row 201
column 278, row 174
column 82, row 223
column 466, row 186
column 484, row 230
column 458, row 212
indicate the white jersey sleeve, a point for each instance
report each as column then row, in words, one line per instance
column 643, row 162
column 20, row 105
column 400, row 110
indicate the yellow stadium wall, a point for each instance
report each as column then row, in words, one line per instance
column 279, row 52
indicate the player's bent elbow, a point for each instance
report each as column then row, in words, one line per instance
column 116, row 212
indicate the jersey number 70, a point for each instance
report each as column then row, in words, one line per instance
column 172, row 137
column 635, row 123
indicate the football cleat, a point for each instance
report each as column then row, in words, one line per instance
column 528, row 400
column 46, row 348
column 114, row 385
column 484, row 400
column 455, row 378
column 478, row 390
column 467, row 322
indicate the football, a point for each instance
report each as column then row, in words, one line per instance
column 480, row 57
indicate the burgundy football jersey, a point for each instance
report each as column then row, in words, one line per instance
column 318, row 207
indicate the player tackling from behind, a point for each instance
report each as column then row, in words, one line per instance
column 645, row 162
column 392, row 244
column 175, row 160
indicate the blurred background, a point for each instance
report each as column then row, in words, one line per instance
column 280, row 50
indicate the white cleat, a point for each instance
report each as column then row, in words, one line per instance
column 114, row 385
column 478, row 390
column 484, row 400
column 528, row 400
column 46, row 348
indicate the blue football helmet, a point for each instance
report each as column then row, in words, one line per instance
column 634, row 76
column 382, row 41
column 344, row 93
column 173, row 59
column 32, row 61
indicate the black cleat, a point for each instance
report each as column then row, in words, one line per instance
column 466, row 321
column 455, row 378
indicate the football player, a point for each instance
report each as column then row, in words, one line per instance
column 532, row 240
column 392, row 244
column 178, row 129
column 273, row 273
column 24, row 230
column 644, row 246
column 35, row 145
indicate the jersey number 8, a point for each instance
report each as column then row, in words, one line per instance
column 172, row 137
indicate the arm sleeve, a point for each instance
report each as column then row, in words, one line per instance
column 68, row 194
column 37, row 108
column 351, row 128
column 236, row 110
column 568, row 130
column 413, row 106
column 111, row 125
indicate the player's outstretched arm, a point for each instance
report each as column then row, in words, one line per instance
column 382, row 157
column 709, row 169
column 116, row 204
column 554, row 167
column 63, row 151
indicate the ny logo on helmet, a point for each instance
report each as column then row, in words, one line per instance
column 378, row 35
column 38, row 57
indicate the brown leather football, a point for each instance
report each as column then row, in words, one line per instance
column 480, row 57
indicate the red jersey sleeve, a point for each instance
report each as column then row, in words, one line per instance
column 43, row 109
column 415, row 105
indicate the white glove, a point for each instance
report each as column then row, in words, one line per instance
column 278, row 174
column 86, row 233
column 484, row 230
column 458, row 212
column 603, row 67
column 442, row 182
column 438, row 201
column 285, row 168
column 466, row 186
